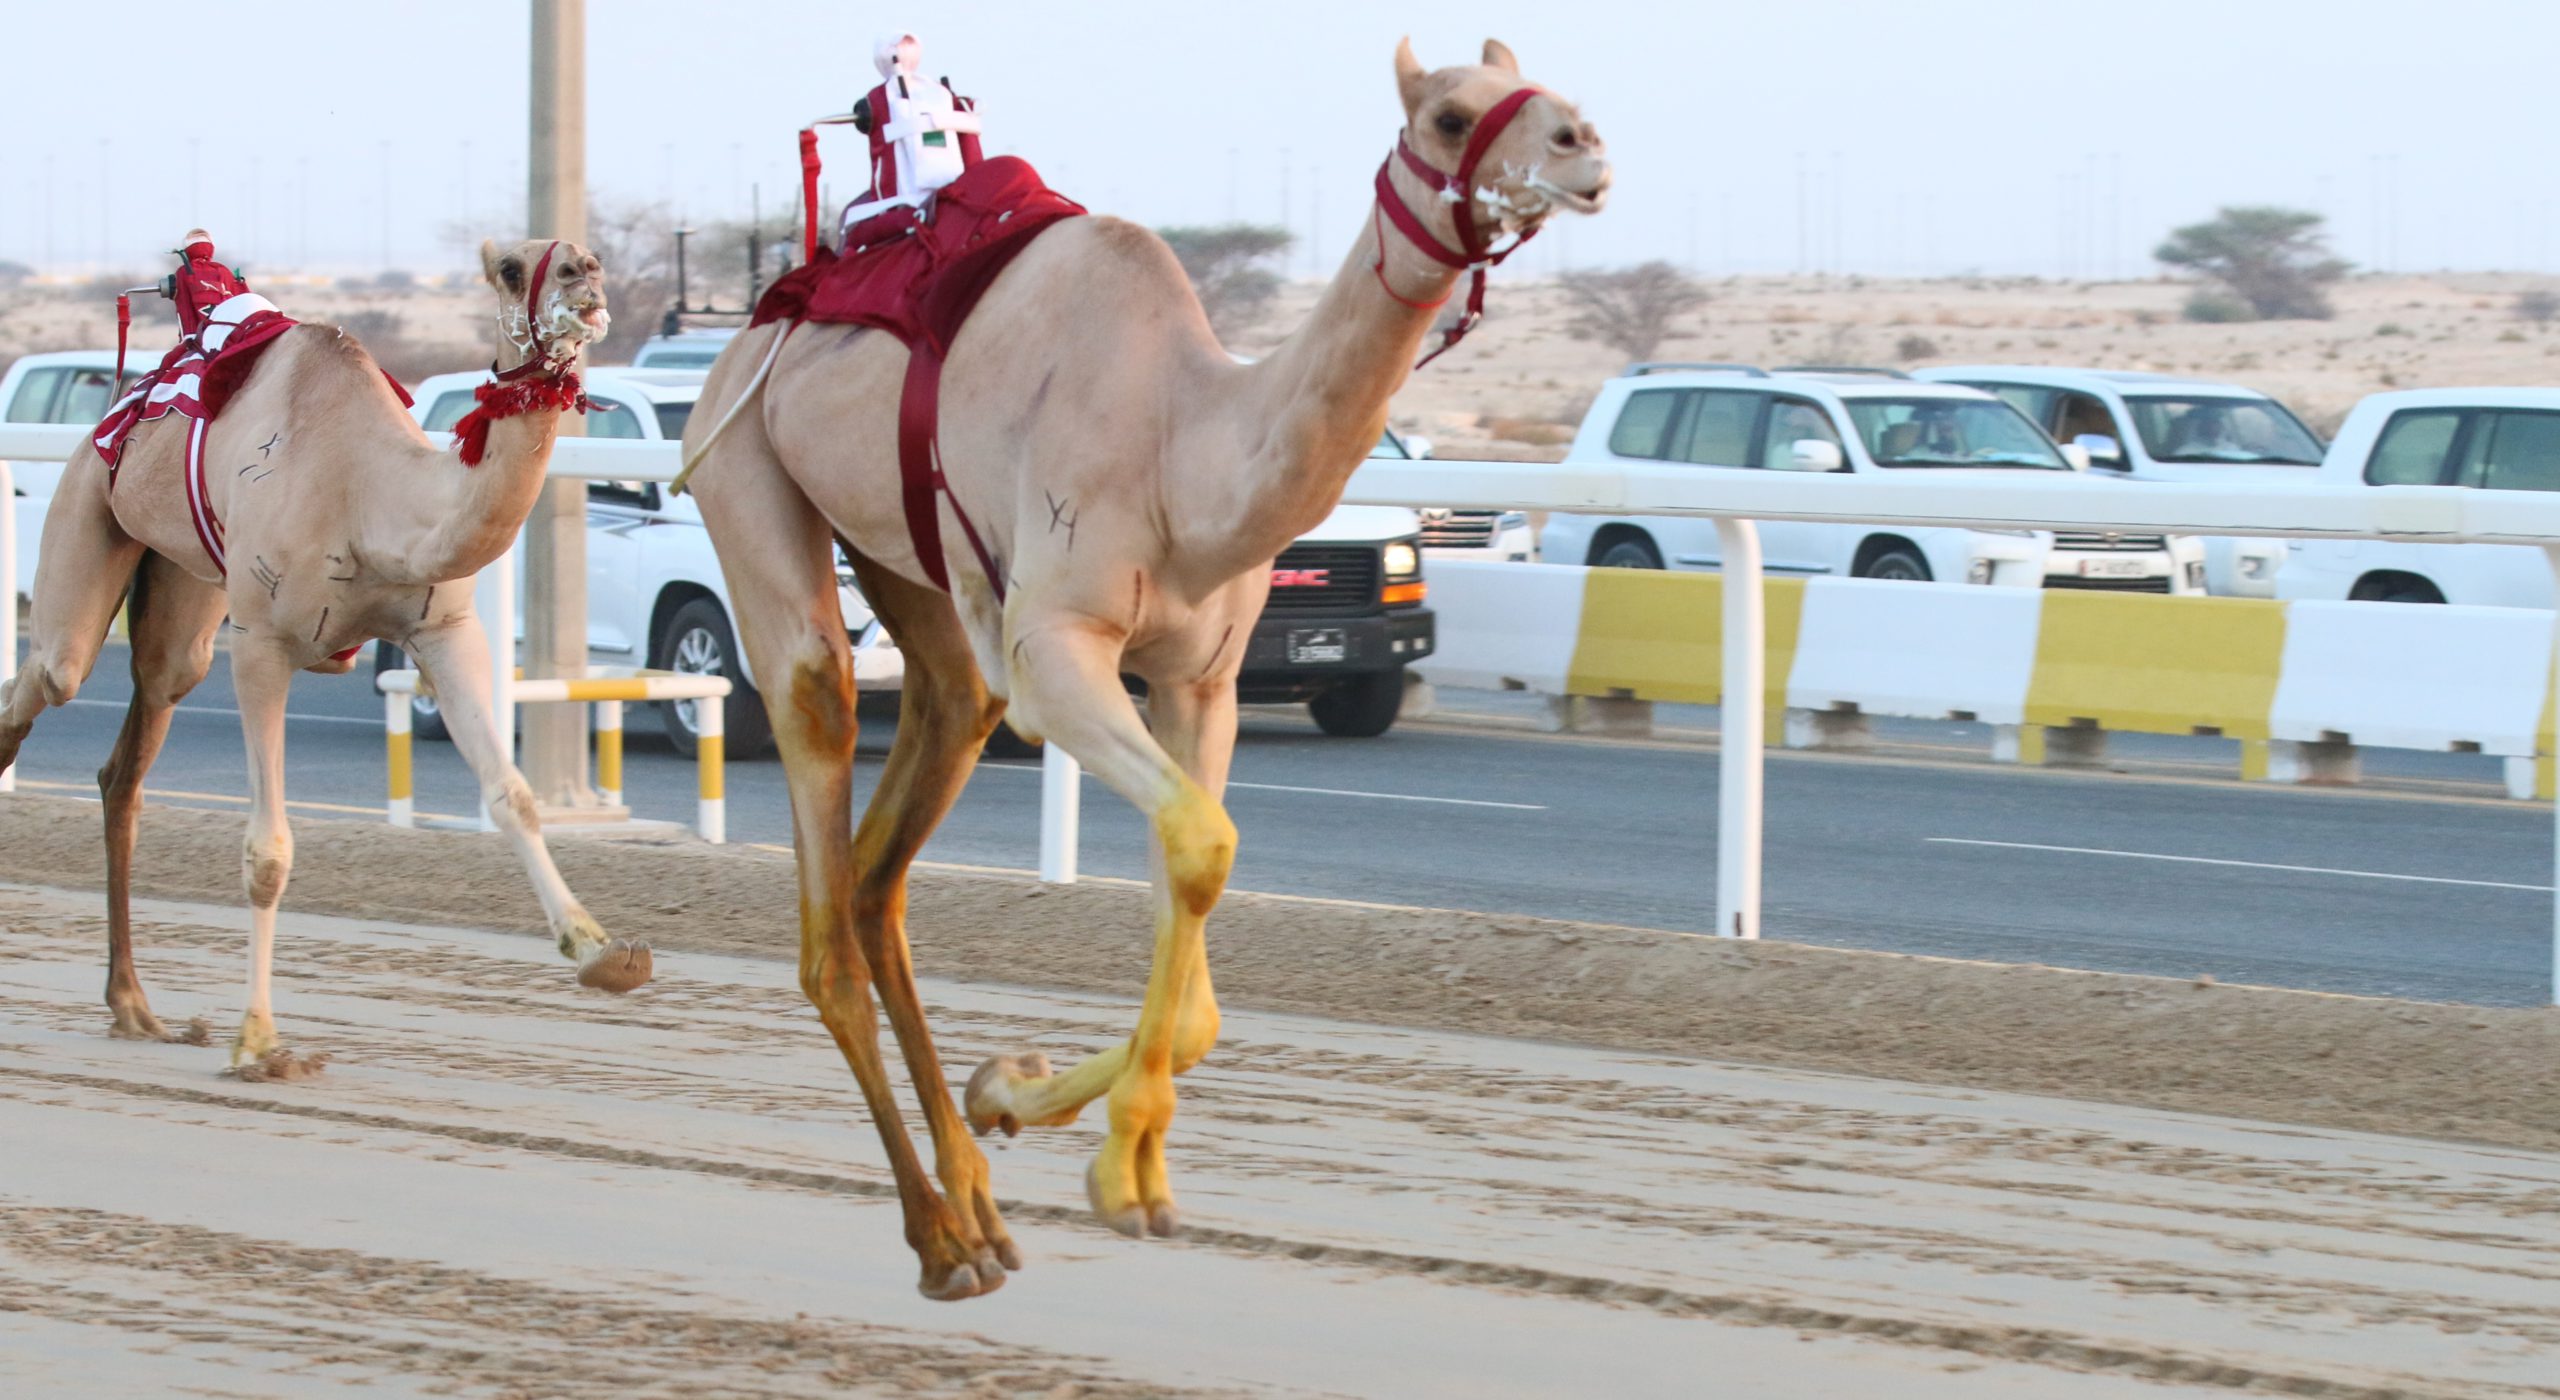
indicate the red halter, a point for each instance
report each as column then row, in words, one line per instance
column 1458, row 190
column 529, row 386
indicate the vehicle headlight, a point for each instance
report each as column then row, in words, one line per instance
column 1403, row 560
column 2254, row 565
column 1979, row 571
column 2195, row 574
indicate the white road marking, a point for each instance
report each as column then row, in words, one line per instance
column 2244, row 864
column 1330, row 792
column 373, row 720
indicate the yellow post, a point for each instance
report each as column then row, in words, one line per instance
column 395, row 736
column 609, row 751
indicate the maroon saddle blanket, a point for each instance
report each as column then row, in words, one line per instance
column 917, row 274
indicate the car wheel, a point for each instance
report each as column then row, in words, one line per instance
column 1362, row 707
column 698, row 642
column 1898, row 564
column 1628, row 552
column 425, row 720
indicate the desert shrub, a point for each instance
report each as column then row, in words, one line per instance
column 2390, row 328
column 1229, row 272
column 1916, row 347
column 395, row 279
column 2538, row 306
column 2274, row 261
column 1629, row 309
column 2217, row 308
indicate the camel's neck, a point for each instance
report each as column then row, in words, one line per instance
column 1313, row 409
column 477, row 510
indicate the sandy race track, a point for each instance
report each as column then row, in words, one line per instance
column 505, row 1186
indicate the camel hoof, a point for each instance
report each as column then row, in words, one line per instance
column 960, row 1284
column 988, row 1101
column 279, row 1067
column 137, row 1023
column 1009, row 1254
column 199, row 1031
column 1163, row 1221
column 622, row 966
column 1129, row 1220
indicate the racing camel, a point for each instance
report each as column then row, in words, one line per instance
column 299, row 499
column 1110, row 491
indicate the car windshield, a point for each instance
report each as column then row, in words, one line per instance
column 671, row 419
column 2228, row 431
column 692, row 357
column 1388, row 447
column 1932, row 432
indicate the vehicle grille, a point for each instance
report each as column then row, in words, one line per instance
column 1458, row 529
column 2091, row 539
column 2109, row 585
column 1350, row 585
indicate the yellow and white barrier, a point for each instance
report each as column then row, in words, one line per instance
column 608, row 692
column 2300, row 684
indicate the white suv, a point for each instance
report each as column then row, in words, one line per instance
column 655, row 593
column 1863, row 422
column 2156, row 427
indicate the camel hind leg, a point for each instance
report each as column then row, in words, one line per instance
column 944, row 717
column 173, row 619
column 86, row 562
column 775, row 552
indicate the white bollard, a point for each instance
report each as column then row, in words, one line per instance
column 1742, row 736
column 1061, row 803
column 8, row 614
column 395, row 738
column 710, row 737
column 609, row 752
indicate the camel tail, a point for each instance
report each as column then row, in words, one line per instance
column 755, row 386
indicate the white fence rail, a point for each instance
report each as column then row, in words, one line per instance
column 2419, row 514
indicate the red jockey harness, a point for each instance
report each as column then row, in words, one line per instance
column 1473, row 253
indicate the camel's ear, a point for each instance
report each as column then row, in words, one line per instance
column 1409, row 77
column 1497, row 54
column 489, row 262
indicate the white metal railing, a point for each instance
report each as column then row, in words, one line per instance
column 2412, row 514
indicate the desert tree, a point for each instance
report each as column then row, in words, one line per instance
column 1229, row 268
column 2271, row 260
column 2539, row 305
column 1629, row 309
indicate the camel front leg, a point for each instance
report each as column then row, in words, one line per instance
column 1066, row 684
column 261, row 675
column 454, row 654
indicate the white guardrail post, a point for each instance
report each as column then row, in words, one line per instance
column 9, row 614
column 1061, row 813
column 1742, row 732
column 710, row 739
column 403, row 806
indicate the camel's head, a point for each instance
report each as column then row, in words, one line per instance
column 1544, row 159
column 550, row 297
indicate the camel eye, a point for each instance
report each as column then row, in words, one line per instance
column 512, row 270
column 1451, row 124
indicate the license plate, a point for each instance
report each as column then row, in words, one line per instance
column 2115, row 568
column 1315, row 645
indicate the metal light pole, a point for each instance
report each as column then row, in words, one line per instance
column 555, row 537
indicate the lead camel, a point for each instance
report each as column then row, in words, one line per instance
column 1117, row 487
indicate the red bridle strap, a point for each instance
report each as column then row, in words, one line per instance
column 511, row 392
column 1457, row 189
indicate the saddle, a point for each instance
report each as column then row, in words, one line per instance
column 917, row 271
column 223, row 328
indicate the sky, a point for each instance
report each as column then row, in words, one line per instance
column 1869, row 136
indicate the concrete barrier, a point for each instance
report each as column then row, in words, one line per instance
column 2302, row 685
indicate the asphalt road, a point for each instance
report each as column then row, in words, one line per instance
column 2429, row 894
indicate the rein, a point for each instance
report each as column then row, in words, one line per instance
column 1473, row 253
column 540, row 383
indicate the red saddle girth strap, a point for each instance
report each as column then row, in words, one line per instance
column 920, row 477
